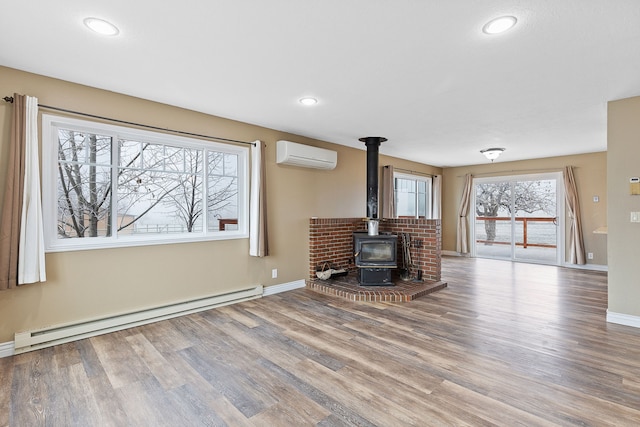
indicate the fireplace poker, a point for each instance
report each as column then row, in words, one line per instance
column 406, row 256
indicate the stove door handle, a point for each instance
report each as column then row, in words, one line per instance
column 356, row 254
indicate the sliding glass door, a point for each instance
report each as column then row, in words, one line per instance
column 518, row 218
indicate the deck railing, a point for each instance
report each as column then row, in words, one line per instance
column 525, row 221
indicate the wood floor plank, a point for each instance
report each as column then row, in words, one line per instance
column 90, row 360
column 168, row 336
column 419, row 401
column 505, row 344
column 118, row 359
column 146, row 403
column 230, row 381
column 80, row 395
column 491, row 410
column 281, row 349
column 162, row 370
column 29, row 402
column 274, row 394
column 304, row 412
column 292, row 364
column 66, row 355
column 192, row 406
column 352, row 394
column 238, row 316
column 110, row 411
column 381, row 361
column 339, row 410
column 6, row 380
column 202, row 396
column 405, row 340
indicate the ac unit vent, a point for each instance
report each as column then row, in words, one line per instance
column 294, row 154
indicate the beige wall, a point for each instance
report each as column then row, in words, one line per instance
column 590, row 171
column 97, row 283
column 623, row 162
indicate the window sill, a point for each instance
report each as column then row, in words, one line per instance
column 129, row 243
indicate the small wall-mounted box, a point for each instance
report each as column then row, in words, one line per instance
column 634, row 186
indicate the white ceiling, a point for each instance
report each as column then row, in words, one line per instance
column 418, row 72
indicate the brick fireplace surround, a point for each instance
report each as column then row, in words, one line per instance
column 331, row 241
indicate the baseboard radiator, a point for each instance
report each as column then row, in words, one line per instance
column 59, row 334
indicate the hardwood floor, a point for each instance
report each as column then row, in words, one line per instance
column 505, row 344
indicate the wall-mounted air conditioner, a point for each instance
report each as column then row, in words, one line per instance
column 292, row 153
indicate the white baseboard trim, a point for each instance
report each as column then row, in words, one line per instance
column 595, row 267
column 6, row 349
column 284, row 287
column 623, row 319
column 453, row 253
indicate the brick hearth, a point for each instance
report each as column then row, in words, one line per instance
column 348, row 287
column 331, row 241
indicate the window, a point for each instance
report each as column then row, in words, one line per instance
column 412, row 196
column 109, row 186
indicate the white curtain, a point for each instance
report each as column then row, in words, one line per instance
column 575, row 225
column 31, row 265
column 436, row 204
column 258, row 244
column 462, row 245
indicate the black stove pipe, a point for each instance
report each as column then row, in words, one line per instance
column 372, row 143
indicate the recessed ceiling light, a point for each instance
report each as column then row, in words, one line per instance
column 308, row 101
column 101, row 26
column 499, row 25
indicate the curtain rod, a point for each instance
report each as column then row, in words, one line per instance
column 10, row 100
column 516, row 170
column 411, row 172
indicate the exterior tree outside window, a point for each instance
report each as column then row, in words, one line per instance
column 84, row 184
column 115, row 184
column 493, row 199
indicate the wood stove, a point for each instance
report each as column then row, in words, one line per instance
column 375, row 257
column 375, row 254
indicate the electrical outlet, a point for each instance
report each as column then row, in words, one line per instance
column 274, row 273
column 590, row 255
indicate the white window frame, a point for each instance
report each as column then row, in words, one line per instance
column 53, row 243
column 429, row 196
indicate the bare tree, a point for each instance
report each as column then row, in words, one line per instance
column 222, row 185
column 84, row 188
column 490, row 198
column 528, row 196
column 149, row 176
column 222, row 188
column 187, row 202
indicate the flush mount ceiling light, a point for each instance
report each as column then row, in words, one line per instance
column 499, row 25
column 101, row 26
column 307, row 100
column 492, row 153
